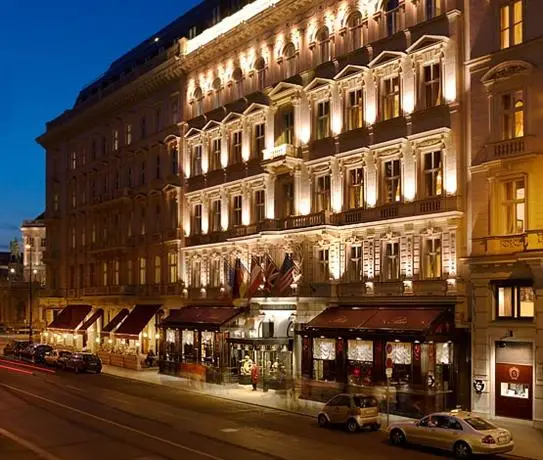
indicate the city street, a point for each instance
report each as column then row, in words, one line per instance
column 65, row 416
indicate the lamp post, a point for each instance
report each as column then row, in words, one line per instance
column 29, row 255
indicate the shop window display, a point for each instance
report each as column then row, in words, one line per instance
column 360, row 362
column 515, row 390
column 189, row 353
column 207, row 347
column 324, row 359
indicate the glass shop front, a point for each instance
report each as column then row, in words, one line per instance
column 349, row 349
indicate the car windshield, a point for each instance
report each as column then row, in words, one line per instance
column 479, row 423
column 362, row 401
column 90, row 358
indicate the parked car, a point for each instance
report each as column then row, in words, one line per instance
column 354, row 411
column 5, row 329
column 36, row 352
column 57, row 358
column 83, row 362
column 15, row 348
column 22, row 330
column 460, row 432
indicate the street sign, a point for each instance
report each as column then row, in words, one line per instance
column 388, row 372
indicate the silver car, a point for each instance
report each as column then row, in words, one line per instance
column 460, row 432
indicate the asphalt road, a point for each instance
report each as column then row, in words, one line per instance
column 64, row 416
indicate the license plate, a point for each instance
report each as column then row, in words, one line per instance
column 503, row 440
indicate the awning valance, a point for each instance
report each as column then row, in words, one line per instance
column 136, row 321
column 200, row 317
column 89, row 322
column 114, row 323
column 397, row 319
column 70, row 317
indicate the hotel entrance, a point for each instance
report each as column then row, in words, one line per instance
column 514, row 379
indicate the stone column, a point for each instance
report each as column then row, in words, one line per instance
column 270, row 196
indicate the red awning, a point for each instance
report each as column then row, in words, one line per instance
column 114, row 323
column 414, row 319
column 200, row 317
column 70, row 317
column 94, row 317
column 341, row 318
column 136, row 321
column 403, row 319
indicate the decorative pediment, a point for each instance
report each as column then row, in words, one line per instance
column 254, row 108
column 210, row 125
column 386, row 57
column 349, row 71
column 171, row 138
column 507, row 70
column 232, row 116
column 169, row 188
column 425, row 42
column 317, row 84
column 283, row 87
column 193, row 132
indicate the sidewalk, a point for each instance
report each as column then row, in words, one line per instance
column 528, row 440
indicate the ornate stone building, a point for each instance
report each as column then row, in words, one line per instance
column 505, row 141
column 34, row 241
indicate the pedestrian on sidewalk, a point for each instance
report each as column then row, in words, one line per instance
column 255, row 374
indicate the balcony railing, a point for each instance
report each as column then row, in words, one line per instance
column 209, row 238
column 532, row 240
column 282, row 150
column 513, row 147
column 309, row 220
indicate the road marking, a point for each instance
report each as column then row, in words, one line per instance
column 16, row 369
column 28, row 445
column 111, row 422
column 71, row 387
column 229, row 430
column 29, row 366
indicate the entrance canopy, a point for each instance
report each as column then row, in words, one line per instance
column 114, row 323
column 93, row 318
column 136, row 321
column 200, row 317
column 70, row 318
column 397, row 319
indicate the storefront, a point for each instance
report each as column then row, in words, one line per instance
column 90, row 330
column 62, row 332
column 194, row 342
column 349, row 349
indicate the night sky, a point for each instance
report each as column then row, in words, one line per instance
column 49, row 51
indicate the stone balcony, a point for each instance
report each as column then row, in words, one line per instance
column 512, row 148
column 283, row 150
column 532, row 240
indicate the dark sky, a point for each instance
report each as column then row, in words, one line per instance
column 49, row 50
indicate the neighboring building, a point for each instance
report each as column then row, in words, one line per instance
column 33, row 248
column 506, row 219
column 333, row 137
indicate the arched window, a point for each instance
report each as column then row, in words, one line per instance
column 198, row 102
column 260, row 67
column 323, row 44
column 237, row 76
column 354, row 31
column 290, row 58
column 392, row 11
column 217, row 89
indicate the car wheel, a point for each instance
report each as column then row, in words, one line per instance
column 322, row 420
column 397, row 437
column 462, row 450
column 352, row 426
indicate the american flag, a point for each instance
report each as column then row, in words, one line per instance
column 271, row 272
column 286, row 275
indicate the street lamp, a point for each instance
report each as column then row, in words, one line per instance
column 28, row 247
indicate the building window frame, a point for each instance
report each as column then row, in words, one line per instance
column 355, row 188
column 237, row 146
column 354, row 108
column 323, row 193
column 323, row 264
column 259, row 139
column 432, row 84
column 512, row 109
column 196, row 160
column 432, row 8
column 215, row 218
column 432, row 164
column 142, row 271
column 391, row 260
column 216, row 150
column 237, row 210
column 391, row 97
column 513, row 204
column 514, row 301
column 392, row 180
column 432, row 258
column 322, row 119
column 260, row 205
column 355, row 262
column 511, row 23
column 197, row 219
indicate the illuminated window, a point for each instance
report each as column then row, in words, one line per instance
column 216, row 154
column 158, row 270
column 197, row 219
column 259, row 139
column 354, row 31
column 323, row 120
column 288, row 126
column 73, row 160
column 116, row 273
column 432, row 85
column 260, row 67
column 288, row 199
column 433, row 173
column 198, row 103
column 393, row 182
column 392, row 15
column 217, row 92
column 129, row 273
column 260, row 203
column 356, row 188
column 115, row 139
column 323, row 44
column 196, row 160
column 237, row 210
column 511, row 18
column 431, row 263
column 172, row 267
column 236, row 147
column 237, row 76
column 215, row 273
column 514, row 206
column 433, row 8
column 391, row 261
column 216, row 216
column 355, row 263
column 355, row 109
column 390, row 98
column 290, row 56
column 143, row 217
column 142, row 270
column 323, row 192
column 512, row 109
column 196, row 272
column 323, row 265
column 104, row 274
column 514, row 302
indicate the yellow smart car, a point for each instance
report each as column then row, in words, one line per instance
column 354, row 411
column 460, row 432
